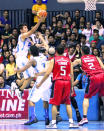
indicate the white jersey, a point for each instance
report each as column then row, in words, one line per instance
column 41, row 61
column 44, row 91
column 22, row 46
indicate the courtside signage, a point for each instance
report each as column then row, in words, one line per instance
column 11, row 107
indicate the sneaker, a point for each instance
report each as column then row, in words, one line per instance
column 31, row 121
column 19, row 93
column 58, row 118
column 83, row 121
column 51, row 126
column 47, row 121
column 72, row 125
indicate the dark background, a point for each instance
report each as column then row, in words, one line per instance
column 52, row 5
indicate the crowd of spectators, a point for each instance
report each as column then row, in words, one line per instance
column 72, row 33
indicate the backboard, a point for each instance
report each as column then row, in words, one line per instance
column 100, row 1
column 78, row 1
column 69, row 1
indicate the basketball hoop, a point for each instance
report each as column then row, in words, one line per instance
column 90, row 5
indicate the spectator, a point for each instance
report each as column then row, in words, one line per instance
column 47, row 33
column 82, row 77
column 99, row 27
column 63, row 17
column 10, row 74
column 6, row 55
column 82, row 20
column 68, row 34
column 13, row 46
column 96, row 52
column 92, row 37
column 4, row 20
column 78, row 36
column 99, row 17
column 71, row 52
column 92, row 46
column 78, row 51
column 37, row 7
column 4, row 48
column 59, row 31
column 14, row 34
column 52, row 41
column 69, row 21
column 77, row 18
column 87, row 31
column 6, row 34
column 98, row 41
column 3, row 84
column 83, row 41
column 72, row 39
column 43, row 28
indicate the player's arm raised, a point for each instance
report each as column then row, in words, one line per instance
column 76, row 62
column 100, row 62
column 29, row 33
column 43, row 41
column 49, row 70
column 29, row 64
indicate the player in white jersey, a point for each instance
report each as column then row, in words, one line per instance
column 38, row 62
column 22, row 50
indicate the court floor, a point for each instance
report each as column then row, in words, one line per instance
column 17, row 125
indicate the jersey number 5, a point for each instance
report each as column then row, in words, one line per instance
column 63, row 71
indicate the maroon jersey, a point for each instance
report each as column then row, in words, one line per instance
column 90, row 65
column 61, row 69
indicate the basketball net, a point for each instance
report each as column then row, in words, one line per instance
column 90, row 5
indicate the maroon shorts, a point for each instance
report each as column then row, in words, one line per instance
column 96, row 85
column 60, row 92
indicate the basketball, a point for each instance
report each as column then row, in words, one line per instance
column 42, row 13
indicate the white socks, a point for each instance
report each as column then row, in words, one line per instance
column 70, row 120
column 53, row 121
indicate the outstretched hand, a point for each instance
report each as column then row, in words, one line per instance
column 42, row 18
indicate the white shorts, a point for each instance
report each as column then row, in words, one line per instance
column 21, row 62
column 42, row 92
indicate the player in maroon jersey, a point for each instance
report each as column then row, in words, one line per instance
column 94, row 69
column 62, row 71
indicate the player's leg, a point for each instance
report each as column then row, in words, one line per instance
column 58, row 117
column 74, row 104
column 69, row 113
column 85, row 109
column 46, row 110
column 25, row 84
column 32, row 118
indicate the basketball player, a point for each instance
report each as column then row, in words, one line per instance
column 22, row 51
column 38, row 62
column 62, row 71
column 94, row 69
